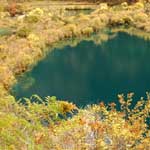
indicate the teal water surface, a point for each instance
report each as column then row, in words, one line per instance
column 5, row 31
column 90, row 73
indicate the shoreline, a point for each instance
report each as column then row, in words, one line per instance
column 25, row 47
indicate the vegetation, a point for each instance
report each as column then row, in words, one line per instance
column 36, row 124
column 50, row 26
column 45, row 124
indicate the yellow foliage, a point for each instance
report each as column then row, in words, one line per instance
column 103, row 6
column 141, row 17
column 87, row 30
column 139, row 5
column 124, row 4
column 36, row 12
column 33, row 37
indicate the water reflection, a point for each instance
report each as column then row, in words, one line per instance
column 91, row 72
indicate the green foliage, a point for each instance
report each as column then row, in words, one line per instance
column 23, row 125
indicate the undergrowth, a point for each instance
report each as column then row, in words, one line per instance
column 34, row 123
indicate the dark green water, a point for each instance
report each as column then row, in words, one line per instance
column 90, row 73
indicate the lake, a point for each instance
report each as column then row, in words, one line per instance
column 89, row 73
column 5, row 31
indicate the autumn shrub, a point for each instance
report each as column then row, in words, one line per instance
column 2, row 8
column 34, row 15
column 128, row 20
column 33, row 37
column 71, row 28
column 139, row 5
column 87, row 31
column 116, row 20
column 104, row 18
column 103, row 127
column 140, row 17
column 147, row 27
column 83, row 18
column 96, row 23
column 124, row 5
column 23, row 32
column 69, row 20
column 147, row 8
column 103, row 6
column 30, row 121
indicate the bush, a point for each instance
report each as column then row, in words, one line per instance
column 104, row 18
column 34, row 15
column 31, row 19
column 139, row 5
column 140, row 17
column 72, row 28
column 124, row 5
column 128, row 20
column 87, row 31
column 23, row 32
column 103, row 6
column 83, row 18
column 116, row 20
column 96, row 23
column 33, row 37
column 2, row 8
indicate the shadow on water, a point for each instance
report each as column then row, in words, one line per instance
column 89, row 73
